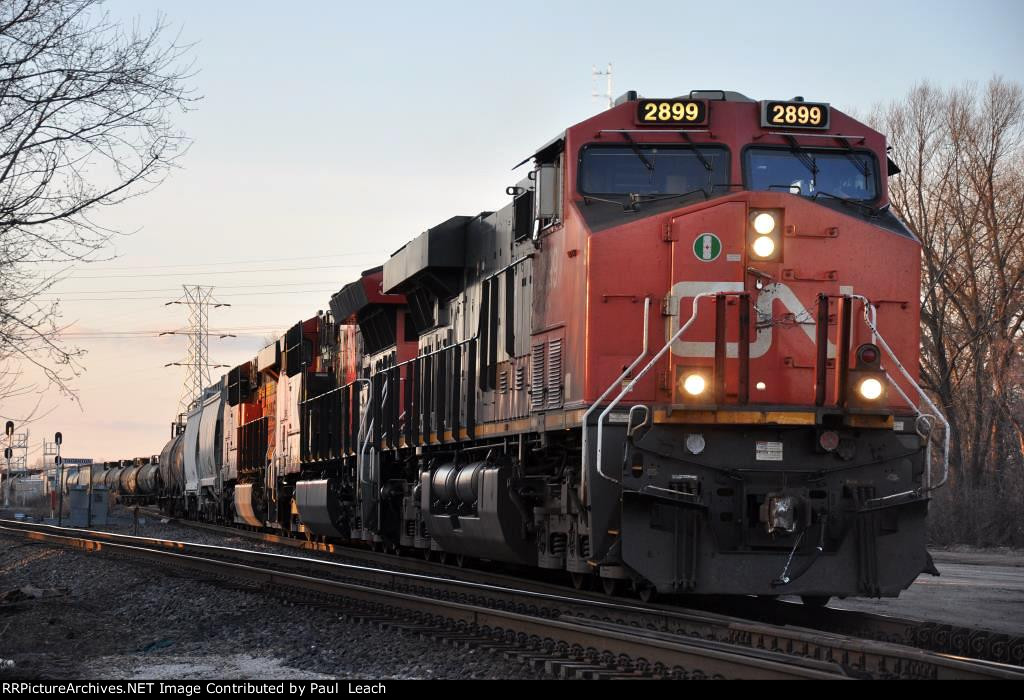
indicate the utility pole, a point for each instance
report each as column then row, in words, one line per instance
column 8, row 453
column 596, row 74
column 50, row 450
column 58, row 439
column 199, row 300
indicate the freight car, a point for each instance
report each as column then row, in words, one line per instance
column 682, row 357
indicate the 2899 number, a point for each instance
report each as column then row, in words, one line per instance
column 795, row 114
column 672, row 112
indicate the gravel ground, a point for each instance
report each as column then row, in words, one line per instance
column 101, row 617
column 122, row 522
column 975, row 589
column 177, row 627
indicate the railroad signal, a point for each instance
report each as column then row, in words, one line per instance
column 58, row 438
column 8, row 452
column 9, row 429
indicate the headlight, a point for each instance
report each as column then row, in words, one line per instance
column 764, row 223
column 870, row 388
column 694, row 385
column 764, row 246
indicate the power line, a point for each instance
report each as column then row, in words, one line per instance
column 237, row 294
column 261, row 285
column 216, row 272
column 237, row 262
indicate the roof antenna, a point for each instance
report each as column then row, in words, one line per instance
column 595, row 74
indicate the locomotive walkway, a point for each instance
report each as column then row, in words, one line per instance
column 569, row 634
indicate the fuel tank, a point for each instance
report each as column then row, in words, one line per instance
column 321, row 508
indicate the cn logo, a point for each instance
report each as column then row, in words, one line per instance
column 683, row 293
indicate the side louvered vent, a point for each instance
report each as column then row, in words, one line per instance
column 537, row 377
column 554, row 378
column 520, row 378
column 503, row 382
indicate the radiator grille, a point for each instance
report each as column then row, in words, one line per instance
column 537, row 377
column 554, row 375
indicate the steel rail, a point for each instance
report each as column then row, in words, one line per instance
column 629, row 646
column 858, row 655
column 943, row 638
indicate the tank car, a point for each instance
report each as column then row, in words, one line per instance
column 112, row 477
column 682, row 357
column 171, row 483
column 147, row 481
column 128, row 479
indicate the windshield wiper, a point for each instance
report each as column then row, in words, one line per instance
column 803, row 156
column 587, row 199
column 636, row 199
column 696, row 151
column 639, row 154
column 864, row 206
column 861, row 165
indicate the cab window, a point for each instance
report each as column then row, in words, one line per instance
column 652, row 169
column 811, row 172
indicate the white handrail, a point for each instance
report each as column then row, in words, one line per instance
column 638, row 377
column 869, row 319
column 602, row 397
column 362, row 441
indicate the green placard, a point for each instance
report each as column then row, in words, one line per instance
column 707, row 247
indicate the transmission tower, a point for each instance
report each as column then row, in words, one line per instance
column 199, row 301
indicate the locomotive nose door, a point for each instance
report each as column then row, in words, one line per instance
column 707, row 256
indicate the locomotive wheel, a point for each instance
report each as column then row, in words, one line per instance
column 815, row 601
column 460, row 560
column 646, row 592
column 428, row 554
column 611, row 586
column 580, row 581
column 445, row 558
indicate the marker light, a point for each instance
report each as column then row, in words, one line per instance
column 764, row 223
column 694, row 385
column 829, row 440
column 870, row 388
column 868, row 354
column 764, row 246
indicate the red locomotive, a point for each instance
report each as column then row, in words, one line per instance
column 682, row 358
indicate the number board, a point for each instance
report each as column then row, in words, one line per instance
column 795, row 115
column 672, row 112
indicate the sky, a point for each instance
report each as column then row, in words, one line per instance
column 329, row 134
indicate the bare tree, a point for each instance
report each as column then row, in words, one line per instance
column 962, row 193
column 85, row 123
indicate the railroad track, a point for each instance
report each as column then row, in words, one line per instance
column 569, row 634
column 562, row 645
column 974, row 643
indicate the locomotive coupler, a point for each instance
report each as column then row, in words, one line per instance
column 784, row 578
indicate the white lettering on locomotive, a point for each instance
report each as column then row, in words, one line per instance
column 683, row 292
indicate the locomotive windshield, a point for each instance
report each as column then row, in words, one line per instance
column 809, row 172
column 652, row 170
